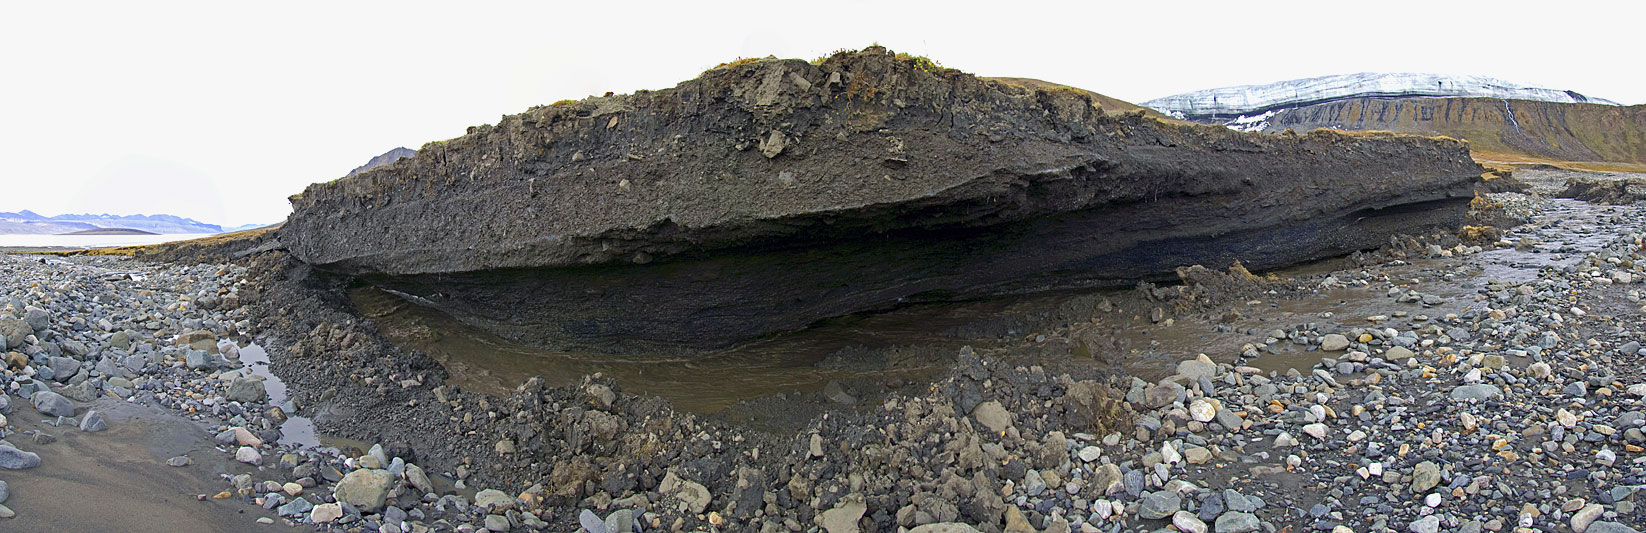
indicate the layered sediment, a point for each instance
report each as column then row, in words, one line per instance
column 766, row 195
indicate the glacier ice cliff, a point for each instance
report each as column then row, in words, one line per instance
column 1229, row 102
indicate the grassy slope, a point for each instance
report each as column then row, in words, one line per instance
column 130, row 251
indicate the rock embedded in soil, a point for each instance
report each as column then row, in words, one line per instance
column 843, row 518
column 52, row 403
column 15, row 459
column 365, row 489
column 93, row 422
column 651, row 219
column 247, row 390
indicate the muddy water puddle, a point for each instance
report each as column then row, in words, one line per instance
column 871, row 354
column 297, row 430
column 867, row 353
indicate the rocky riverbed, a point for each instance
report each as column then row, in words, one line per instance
column 1432, row 385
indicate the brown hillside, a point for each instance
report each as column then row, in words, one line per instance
column 1497, row 129
column 1109, row 104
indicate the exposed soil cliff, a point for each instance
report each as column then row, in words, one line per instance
column 1559, row 131
column 765, row 195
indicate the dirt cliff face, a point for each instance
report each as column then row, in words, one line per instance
column 1551, row 130
column 763, row 196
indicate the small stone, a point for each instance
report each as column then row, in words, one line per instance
column 325, row 513
column 843, row 518
column 498, row 523
column 52, row 403
column 1432, row 500
column 247, row 390
column 1237, row 522
column 15, row 459
column 1583, row 518
column 1428, row 524
column 1479, row 392
column 93, row 422
column 1334, row 343
column 179, row 461
column 1202, row 411
column 591, row 522
column 1162, row 394
column 1169, row 455
column 248, row 455
column 1539, row 370
column 993, row 416
column 1196, row 369
column 296, row 508
column 1158, row 505
column 1090, row 453
column 418, row 479
column 1566, row 418
column 1187, row 522
column 494, row 500
column 1316, row 430
column 1285, row 440
column 1425, row 476
column 245, row 437
column 367, row 488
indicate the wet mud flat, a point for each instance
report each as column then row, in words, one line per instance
column 118, row 479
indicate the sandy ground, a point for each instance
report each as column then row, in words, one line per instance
column 118, row 480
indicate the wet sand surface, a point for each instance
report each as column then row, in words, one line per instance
column 118, row 480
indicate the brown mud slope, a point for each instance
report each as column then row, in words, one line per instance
column 1540, row 130
column 763, row 196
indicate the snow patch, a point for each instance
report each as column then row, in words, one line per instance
column 1252, row 123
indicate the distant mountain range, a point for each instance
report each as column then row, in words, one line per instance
column 1502, row 121
column 384, row 159
column 26, row 221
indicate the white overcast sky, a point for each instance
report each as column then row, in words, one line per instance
column 220, row 110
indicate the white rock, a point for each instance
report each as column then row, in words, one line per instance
column 1285, row 440
column 1539, row 370
column 1187, row 522
column 1566, row 418
column 1470, row 422
column 1316, row 430
column 1202, row 410
column 248, row 455
column 1473, row 376
column 1432, row 500
column 1090, row 453
column 1638, row 389
column 1169, row 455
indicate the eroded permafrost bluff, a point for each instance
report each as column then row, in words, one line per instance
column 766, row 195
